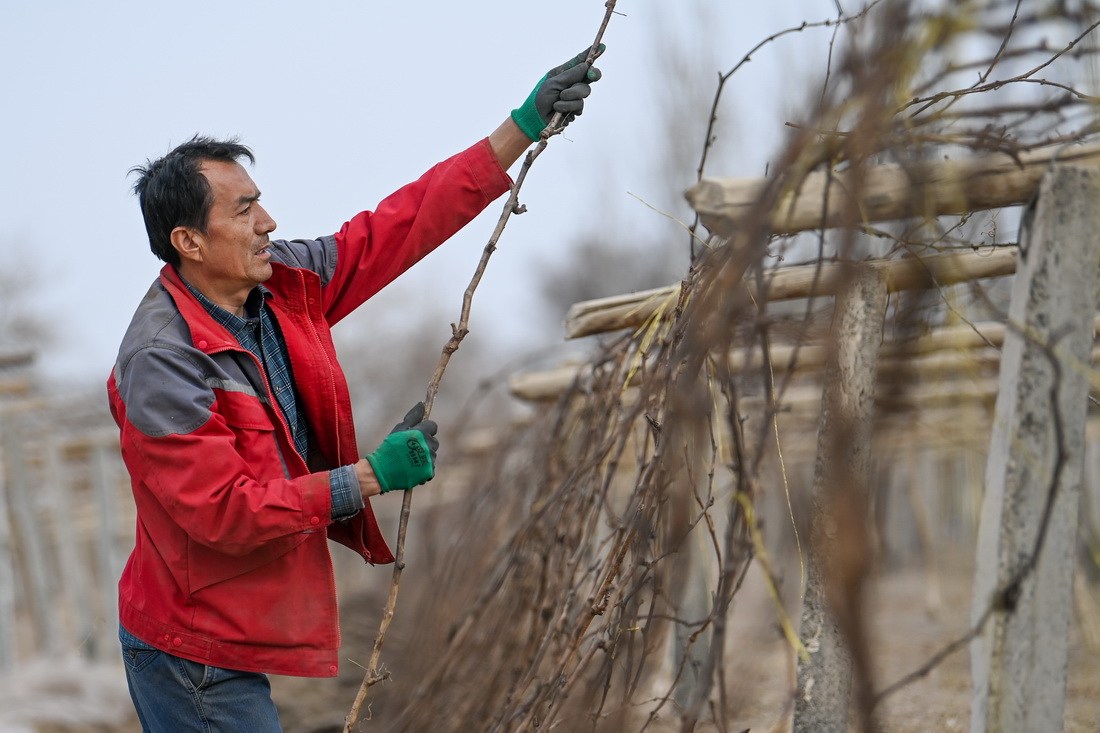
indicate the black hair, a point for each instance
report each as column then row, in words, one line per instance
column 173, row 192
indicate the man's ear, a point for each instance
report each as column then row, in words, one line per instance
column 188, row 242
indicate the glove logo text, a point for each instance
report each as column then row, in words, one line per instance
column 417, row 455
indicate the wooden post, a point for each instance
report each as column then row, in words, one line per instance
column 74, row 568
column 1090, row 488
column 899, row 541
column 922, row 488
column 7, row 571
column 1034, row 468
column 841, row 477
column 41, row 579
column 109, row 566
column 1086, row 586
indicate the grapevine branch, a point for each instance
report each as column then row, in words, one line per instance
column 723, row 77
column 583, row 618
column 374, row 673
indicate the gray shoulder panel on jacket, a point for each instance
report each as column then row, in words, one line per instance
column 318, row 255
column 164, row 390
column 158, row 374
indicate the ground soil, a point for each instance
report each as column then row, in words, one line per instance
column 905, row 634
column 757, row 680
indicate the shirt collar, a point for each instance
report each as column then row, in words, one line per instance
column 252, row 305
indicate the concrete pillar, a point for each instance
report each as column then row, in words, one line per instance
column 1018, row 664
column 841, row 507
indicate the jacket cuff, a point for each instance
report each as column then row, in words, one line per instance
column 486, row 170
column 347, row 501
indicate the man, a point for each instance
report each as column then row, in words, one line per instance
column 236, row 423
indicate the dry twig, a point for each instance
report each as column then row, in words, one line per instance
column 375, row 674
column 646, row 486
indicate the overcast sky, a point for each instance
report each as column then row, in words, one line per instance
column 343, row 102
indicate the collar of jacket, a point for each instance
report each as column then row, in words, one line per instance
column 207, row 334
column 210, row 336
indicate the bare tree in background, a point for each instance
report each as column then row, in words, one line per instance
column 603, row 264
column 636, row 243
column 24, row 329
column 390, row 350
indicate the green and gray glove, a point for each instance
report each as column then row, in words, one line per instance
column 406, row 457
column 563, row 89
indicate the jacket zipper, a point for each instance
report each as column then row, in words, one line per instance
column 339, row 445
column 331, row 370
column 287, row 434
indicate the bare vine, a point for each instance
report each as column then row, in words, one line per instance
column 647, row 478
column 375, row 673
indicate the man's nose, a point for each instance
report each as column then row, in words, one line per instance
column 264, row 223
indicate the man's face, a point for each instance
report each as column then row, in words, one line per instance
column 234, row 247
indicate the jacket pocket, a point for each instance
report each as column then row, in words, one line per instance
column 255, row 437
column 207, row 567
column 258, row 452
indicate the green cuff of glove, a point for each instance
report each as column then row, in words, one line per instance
column 402, row 461
column 527, row 115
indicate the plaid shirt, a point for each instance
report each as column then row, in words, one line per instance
column 259, row 332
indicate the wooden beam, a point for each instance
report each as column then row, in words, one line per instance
column 16, row 387
column 945, row 187
column 890, row 192
column 947, row 350
column 804, row 397
column 801, row 281
column 629, row 310
column 17, row 359
column 549, row 385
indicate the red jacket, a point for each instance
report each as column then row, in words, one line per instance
column 231, row 564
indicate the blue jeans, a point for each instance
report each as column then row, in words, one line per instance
column 174, row 695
